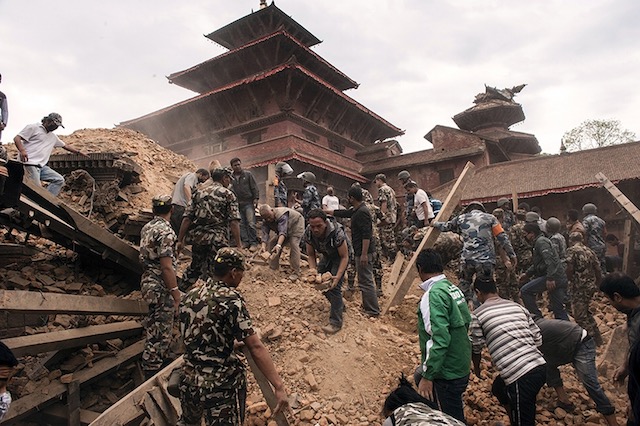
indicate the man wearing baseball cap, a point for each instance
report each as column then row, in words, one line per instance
column 35, row 143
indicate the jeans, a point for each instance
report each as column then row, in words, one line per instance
column 584, row 362
column 367, row 286
column 45, row 174
column 176, row 217
column 520, row 396
column 335, row 294
column 556, row 297
column 447, row 393
column 294, row 254
column 248, row 233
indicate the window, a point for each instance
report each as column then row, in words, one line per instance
column 336, row 146
column 445, row 175
column 311, row 136
column 254, row 137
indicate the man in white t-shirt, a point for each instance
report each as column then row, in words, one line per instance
column 35, row 143
column 330, row 201
column 421, row 203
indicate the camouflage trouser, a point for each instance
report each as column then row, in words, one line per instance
column 581, row 296
column 388, row 240
column 221, row 407
column 158, row 326
column 201, row 264
column 507, row 283
column 377, row 270
column 601, row 254
column 467, row 271
column 524, row 262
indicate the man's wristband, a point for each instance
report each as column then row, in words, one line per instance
column 279, row 246
column 173, row 289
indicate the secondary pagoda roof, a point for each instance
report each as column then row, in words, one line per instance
column 265, row 52
column 258, row 24
column 548, row 174
column 384, row 129
column 492, row 113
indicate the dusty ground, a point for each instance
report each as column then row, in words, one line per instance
column 356, row 368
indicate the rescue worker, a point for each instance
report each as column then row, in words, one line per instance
column 213, row 317
column 388, row 206
column 159, row 285
column 212, row 213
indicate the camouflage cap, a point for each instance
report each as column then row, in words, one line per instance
column 230, row 257
column 161, row 200
column 56, row 118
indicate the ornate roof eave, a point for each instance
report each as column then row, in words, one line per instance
column 391, row 130
column 183, row 78
column 223, row 36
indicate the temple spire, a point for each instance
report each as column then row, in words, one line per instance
column 263, row 4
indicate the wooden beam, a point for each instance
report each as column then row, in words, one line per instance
column 73, row 403
column 265, row 387
column 396, row 269
column 22, row 407
column 44, row 342
column 51, row 303
column 430, row 237
column 59, row 412
column 619, row 197
column 128, row 408
column 271, row 175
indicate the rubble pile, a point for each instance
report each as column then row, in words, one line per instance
column 114, row 202
column 341, row 379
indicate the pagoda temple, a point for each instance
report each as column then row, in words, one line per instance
column 271, row 98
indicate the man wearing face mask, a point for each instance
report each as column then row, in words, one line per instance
column 35, row 143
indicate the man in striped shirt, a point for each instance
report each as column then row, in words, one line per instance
column 512, row 339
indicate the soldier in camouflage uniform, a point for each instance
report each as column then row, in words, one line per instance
column 557, row 239
column 310, row 196
column 584, row 274
column 521, row 246
column 509, row 217
column 478, row 230
column 389, row 207
column 596, row 230
column 213, row 211
column 214, row 316
column 280, row 191
column 159, row 285
column 410, row 218
column 448, row 245
column 506, row 280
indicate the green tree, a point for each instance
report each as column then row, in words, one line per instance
column 596, row 134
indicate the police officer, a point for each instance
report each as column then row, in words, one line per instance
column 159, row 285
column 214, row 316
column 212, row 213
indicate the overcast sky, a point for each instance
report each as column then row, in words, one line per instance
column 418, row 62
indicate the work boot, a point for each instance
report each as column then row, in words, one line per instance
column 331, row 329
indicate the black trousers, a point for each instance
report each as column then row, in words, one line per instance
column 519, row 398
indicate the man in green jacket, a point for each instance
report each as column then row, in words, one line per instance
column 443, row 324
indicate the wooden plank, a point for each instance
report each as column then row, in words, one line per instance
column 51, row 303
column 73, row 403
column 128, row 408
column 396, row 269
column 265, row 387
column 153, row 411
column 45, row 342
column 59, row 413
column 22, row 407
column 168, row 410
column 619, row 196
column 430, row 237
column 514, row 200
